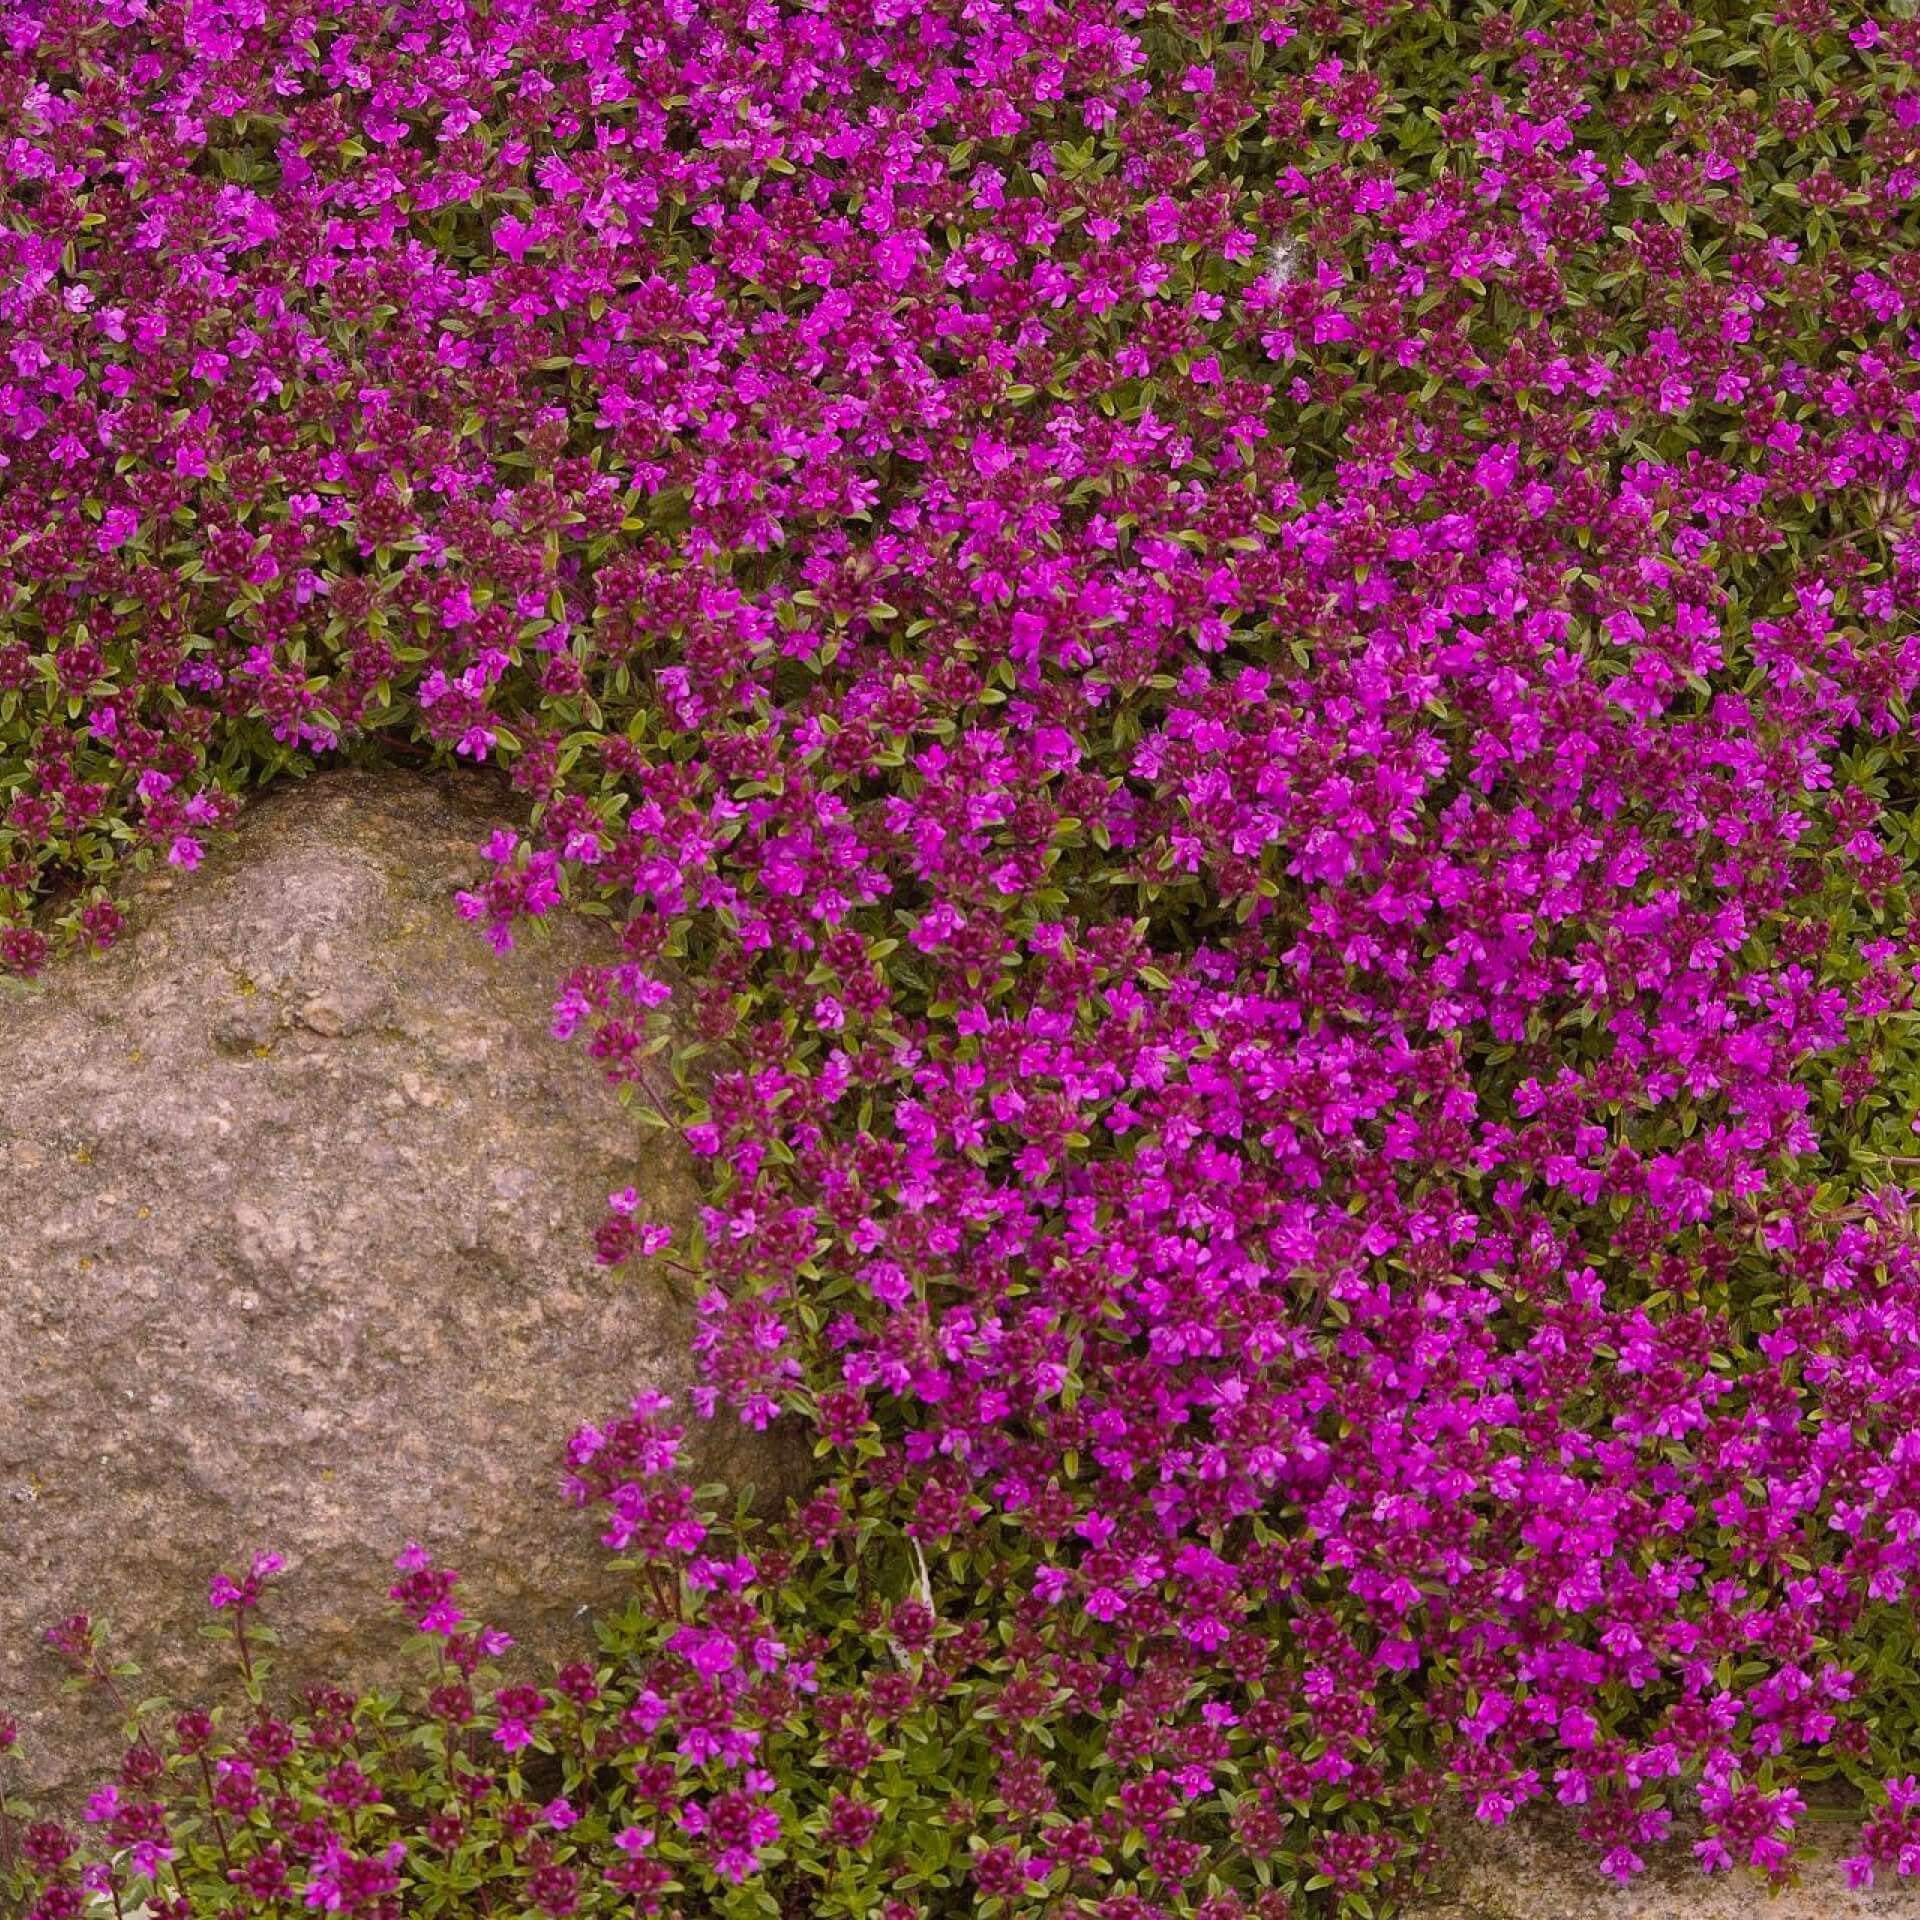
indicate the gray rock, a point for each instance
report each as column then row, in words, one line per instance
column 1537, row 1868
column 296, row 1197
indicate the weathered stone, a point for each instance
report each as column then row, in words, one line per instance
column 1537, row 1868
column 296, row 1196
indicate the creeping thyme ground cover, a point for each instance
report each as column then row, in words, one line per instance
column 1251, row 661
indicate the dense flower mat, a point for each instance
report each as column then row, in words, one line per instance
column 1256, row 658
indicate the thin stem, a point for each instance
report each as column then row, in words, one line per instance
column 213, row 1813
column 127, row 1714
column 646, row 1086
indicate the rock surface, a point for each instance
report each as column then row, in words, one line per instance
column 1540, row 1870
column 297, row 1198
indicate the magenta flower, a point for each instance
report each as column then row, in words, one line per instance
column 117, row 528
column 1245, row 754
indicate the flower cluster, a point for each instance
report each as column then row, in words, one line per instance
column 628, row 1779
column 1238, row 675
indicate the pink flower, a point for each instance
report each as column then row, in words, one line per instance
column 1622, row 1864
column 895, row 257
column 118, row 526
column 148, row 1856
column 736, row 1864
column 515, row 238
